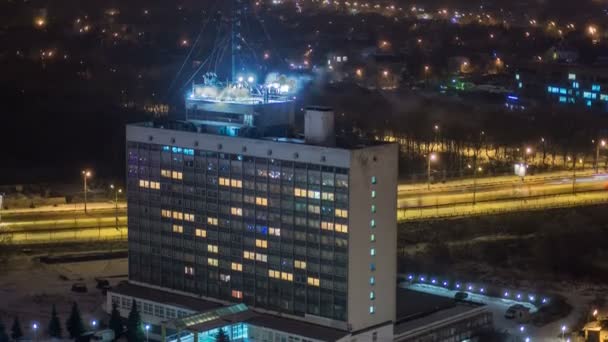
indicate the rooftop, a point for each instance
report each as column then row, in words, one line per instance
column 148, row 293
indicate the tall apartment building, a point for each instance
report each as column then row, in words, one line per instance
column 303, row 228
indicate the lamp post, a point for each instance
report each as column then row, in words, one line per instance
column 85, row 174
column 600, row 143
column 431, row 157
column 35, row 328
column 147, row 330
column 563, row 331
column 117, row 191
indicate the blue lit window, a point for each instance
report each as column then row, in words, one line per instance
column 372, row 295
column 372, row 238
column 588, row 103
column 189, row 151
column 604, row 97
column 517, row 77
column 563, row 99
column 373, row 208
column 372, row 309
column 372, row 267
column 166, row 148
column 595, row 87
column 586, row 95
column 373, row 193
column 372, row 280
column 372, row 223
column 563, row 91
column 372, row 251
column 373, row 179
column 176, row 149
column 571, row 77
column 549, row 89
column 575, row 85
column 520, row 85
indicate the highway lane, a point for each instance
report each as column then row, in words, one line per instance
column 451, row 195
column 57, row 215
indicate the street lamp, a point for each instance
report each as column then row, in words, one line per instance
column 94, row 324
column 431, row 157
column 600, row 143
column 117, row 191
column 35, row 328
column 147, row 330
column 85, row 174
column 563, row 331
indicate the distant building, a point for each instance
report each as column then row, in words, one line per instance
column 581, row 86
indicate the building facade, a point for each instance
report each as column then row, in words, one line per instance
column 304, row 231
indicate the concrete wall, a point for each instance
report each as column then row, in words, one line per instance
column 380, row 162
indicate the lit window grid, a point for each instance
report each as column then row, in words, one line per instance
column 277, row 230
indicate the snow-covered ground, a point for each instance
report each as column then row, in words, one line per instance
column 28, row 289
column 577, row 296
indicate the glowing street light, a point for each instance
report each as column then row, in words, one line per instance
column 35, row 328
column 359, row 72
column 85, row 174
column 40, row 22
column 385, row 73
column 94, row 324
column 147, row 330
column 563, row 331
column 431, row 158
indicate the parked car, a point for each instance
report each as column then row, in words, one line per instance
column 79, row 287
column 518, row 312
column 461, row 296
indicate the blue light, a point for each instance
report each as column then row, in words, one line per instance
column 506, row 294
column 433, row 281
column 531, row 298
column 166, row 148
column 445, row 283
column 511, row 97
column 588, row 103
column 457, row 285
column 544, row 300
column 518, row 296
column 595, row 87
column 410, row 277
column 421, row 278
column 482, row 290
column 470, row 288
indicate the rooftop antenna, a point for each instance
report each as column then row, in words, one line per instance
column 235, row 38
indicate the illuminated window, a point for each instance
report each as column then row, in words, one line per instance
column 299, row 192
column 572, row 77
column 372, row 309
column 189, row 217
column 372, row 223
column 327, row 225
column 212, row 262
column 165, row 213
column 178, row 215
column 189, row 270
column 225, row 277
column 155, row 185
column 261, row 201
column 314, row 194
column 236, row 211
column 372, row 238
column 177, row 175
column 274, row 231
column 372, row 252
column 373, row 193
column 341, row 228
column 249, row 255
column 144, row 183
column 212, row 248
column 237, row 267
column 274, row 274
column 261, row 257
column 212, row 221
column 235, row 183
column 224, row 181
column 372, row 280
column 374, row 180
column 287, row 276
column 165, row 173
column 178, row 229
column 299, row 264
column 237, row 294
column 313, row 281
column 261, row 243
column 342, row 213
column 327, row 196
column 373, row 208
column 372, row 295
column 200, row 233
column 372, row 267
